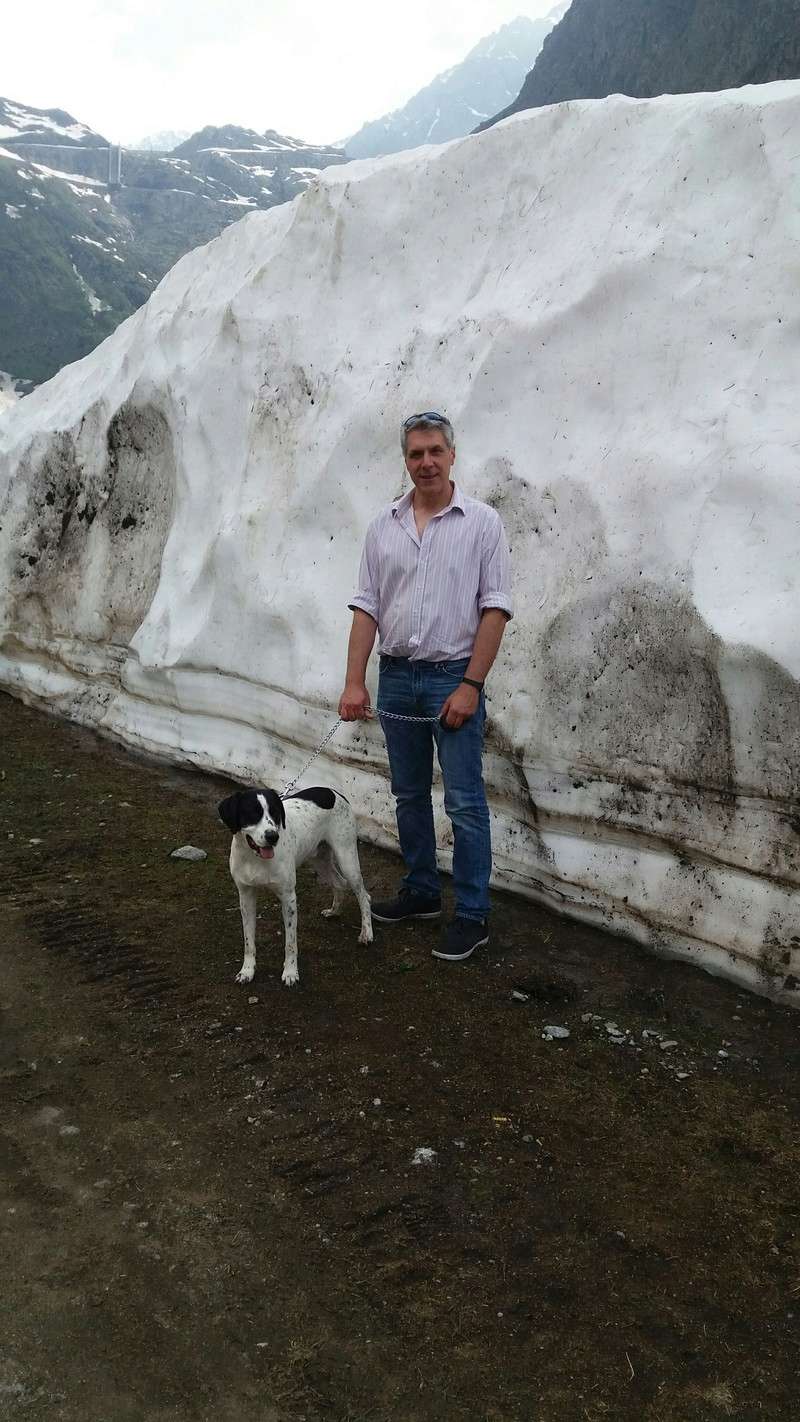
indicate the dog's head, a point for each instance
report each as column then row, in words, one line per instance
column 258, row 815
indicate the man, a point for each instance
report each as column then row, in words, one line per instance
column 435, row 584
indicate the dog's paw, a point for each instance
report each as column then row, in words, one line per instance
column 245, row 975
column 290, row 977
column 330, row 913
column 366, row 935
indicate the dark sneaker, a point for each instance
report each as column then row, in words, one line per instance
column 406, row 905
column 461, row 938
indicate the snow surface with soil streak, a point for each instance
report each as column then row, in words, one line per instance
column 603, row 297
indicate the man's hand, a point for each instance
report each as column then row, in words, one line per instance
column 459, row 706
column 354, row 703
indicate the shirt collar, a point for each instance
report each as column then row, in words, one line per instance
column 403, row 505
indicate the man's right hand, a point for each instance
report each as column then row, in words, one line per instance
column 354, row 703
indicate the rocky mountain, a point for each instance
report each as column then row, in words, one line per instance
column 87, row 229
column 648, row 47
column 162, row 142
column 68, row 274
column 451, row 105
column 261, row 168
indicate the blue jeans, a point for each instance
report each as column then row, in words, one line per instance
column 421, row 689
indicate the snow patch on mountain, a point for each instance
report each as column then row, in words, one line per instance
column 10, row 392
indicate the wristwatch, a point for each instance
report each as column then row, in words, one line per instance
column 477, row 684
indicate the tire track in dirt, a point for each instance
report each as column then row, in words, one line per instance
column 93, row 946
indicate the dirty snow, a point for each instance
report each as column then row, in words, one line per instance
column 9, row 394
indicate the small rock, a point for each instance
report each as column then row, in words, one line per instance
column 48, row 1115
column 190, row 852
column 520, row 996
column 553, row 1034
column 423, row 1155
column 667, row 1043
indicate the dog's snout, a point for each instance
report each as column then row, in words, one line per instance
column 271, row 839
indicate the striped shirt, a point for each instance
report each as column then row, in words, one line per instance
column 427, row 594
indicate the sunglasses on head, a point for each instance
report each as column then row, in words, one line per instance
column 426, row 415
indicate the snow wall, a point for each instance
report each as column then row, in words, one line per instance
column 603, row 296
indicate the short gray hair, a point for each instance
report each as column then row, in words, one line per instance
column 428, row 420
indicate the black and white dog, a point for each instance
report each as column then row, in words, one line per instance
column 272, row 837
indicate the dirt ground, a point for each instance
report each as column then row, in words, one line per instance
column 208, row 1200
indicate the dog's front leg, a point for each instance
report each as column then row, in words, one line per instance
column 247, row 907
column 290, row 974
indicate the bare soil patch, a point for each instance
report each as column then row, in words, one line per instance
column 208, row 1204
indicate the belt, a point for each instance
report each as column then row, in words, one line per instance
column 418, row 662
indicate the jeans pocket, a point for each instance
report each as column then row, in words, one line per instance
column 454, row 671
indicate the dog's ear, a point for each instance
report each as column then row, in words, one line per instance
column 275, row 807
column 228, row 811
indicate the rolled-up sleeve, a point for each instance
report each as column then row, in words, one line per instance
column 367, row 595
column 495, row 581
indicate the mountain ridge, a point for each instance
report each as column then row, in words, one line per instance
column 643, row 49
column 448, row 107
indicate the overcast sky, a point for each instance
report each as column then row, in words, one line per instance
column 316, row 69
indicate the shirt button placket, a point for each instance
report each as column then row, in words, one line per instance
column 419, row 590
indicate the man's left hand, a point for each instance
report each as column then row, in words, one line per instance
column 460, row 705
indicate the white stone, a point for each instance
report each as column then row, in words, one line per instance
column 423, row 1155
column 602, row 296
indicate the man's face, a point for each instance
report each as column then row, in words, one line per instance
column 429, row 461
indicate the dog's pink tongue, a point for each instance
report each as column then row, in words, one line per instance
column 266, row 852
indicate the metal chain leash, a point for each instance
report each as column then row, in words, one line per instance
column 392, row 716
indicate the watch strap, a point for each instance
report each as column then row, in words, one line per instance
column 477, row 684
